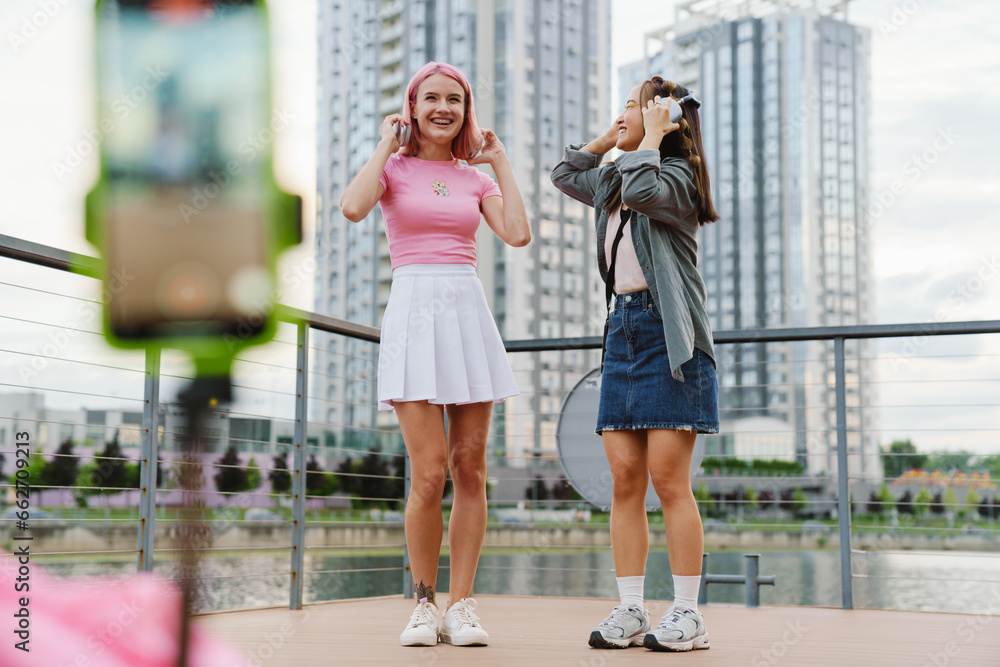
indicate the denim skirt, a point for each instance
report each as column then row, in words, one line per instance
column 637, row 389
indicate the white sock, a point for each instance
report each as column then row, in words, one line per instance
column 686, row 591
column 630, row 590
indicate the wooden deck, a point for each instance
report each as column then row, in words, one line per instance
column 554, row 631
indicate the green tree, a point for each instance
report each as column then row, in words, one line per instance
column 110, row 472
column 886, row 499
column 972, row 501
column 398, row 484
column 280, row 478
column 63, row 468
column 231, row 477
column 316, row 478
column 84, row 482
column 990, row 464
column 564, row 491
column 799, row 502
column 537, row 491
column 36, row 467
column 902, row 456
column 706, row 504
column 132, row 475
column 254, row 475
column 922, row 502
column 750, row 497
column 950, row 500
column 347, row 472
column 950, row 462
column 375, row 482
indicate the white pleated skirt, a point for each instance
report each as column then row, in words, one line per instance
column 439, row 341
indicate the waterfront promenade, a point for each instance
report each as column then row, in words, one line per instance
column 553, row 631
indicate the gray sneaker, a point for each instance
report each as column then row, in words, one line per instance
column 679, row 630
column 624, row 627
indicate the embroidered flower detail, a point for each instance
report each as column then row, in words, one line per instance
column 440, row 188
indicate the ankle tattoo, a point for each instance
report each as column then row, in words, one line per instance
column 424, row 591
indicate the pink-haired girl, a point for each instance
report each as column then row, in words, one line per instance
column 440, row 349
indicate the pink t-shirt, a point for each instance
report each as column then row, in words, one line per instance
column 432, row 210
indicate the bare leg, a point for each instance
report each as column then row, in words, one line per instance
column 670, row 468
column 422, row 426
column 626, row 451
column 468, row 427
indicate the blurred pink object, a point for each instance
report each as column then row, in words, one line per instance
column 100, row 622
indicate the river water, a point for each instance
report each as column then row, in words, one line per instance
column 921, row 581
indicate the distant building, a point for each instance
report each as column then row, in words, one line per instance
column 756, row 438
column 91, row 430
column 49, row 427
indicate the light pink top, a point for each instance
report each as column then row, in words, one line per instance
column 432, row 210
column 628, row 274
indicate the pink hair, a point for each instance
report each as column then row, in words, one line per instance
column 466, row 143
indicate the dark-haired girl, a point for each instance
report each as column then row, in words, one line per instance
column 658, row 385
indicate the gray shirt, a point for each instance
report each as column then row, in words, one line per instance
column 664, row 232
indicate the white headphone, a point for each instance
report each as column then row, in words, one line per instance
column 676, row 111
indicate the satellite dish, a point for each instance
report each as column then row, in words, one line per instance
column 581, row 451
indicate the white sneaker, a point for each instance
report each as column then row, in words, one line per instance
column 422, row 630
column 460, row 625
column 679, row 630
column 624, row 627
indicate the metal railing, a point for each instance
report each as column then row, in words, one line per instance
column 307, row 323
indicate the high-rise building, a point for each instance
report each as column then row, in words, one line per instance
column 785, row 92
column 540, row 72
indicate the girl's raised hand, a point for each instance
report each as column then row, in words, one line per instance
column 656, row 118
column 386, row 129
column 492, row 149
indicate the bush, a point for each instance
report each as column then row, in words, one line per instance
column 766, row 499
column 537, row 491
column 922, row 502
column 950, row 501
column 280, row 478
column 905, row 504
column 799, row 502
column 254, row 475
column 972, row 500
column 63, row 468
column 937, row 504
column 757, row 467
column 706, row 504
column 373, row 478
column 886, row 498
column 562, row 490
column 231, row 477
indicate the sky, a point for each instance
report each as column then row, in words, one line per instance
column 936, row 244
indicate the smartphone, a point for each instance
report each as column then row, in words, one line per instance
column 402, row 132
column 186, row 160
